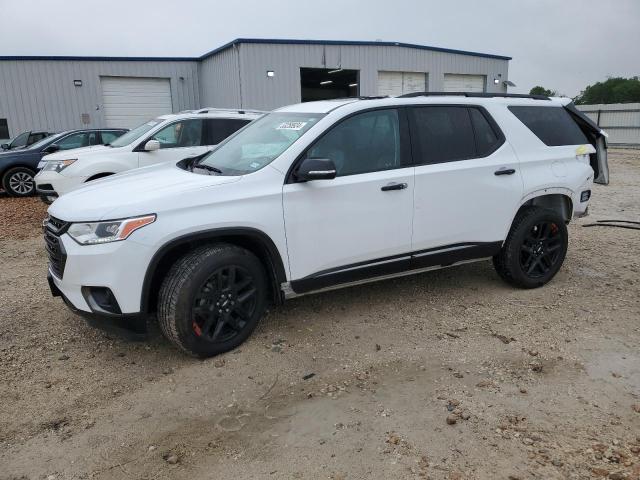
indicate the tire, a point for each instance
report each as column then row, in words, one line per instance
column 534, row 249
column 18, row 182
column 197, row 294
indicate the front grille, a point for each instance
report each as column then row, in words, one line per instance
column 55, row 250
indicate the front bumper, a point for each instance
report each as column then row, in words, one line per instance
column 131, row 326
column 52, row 184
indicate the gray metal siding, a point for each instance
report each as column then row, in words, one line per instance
column 219, row 80
column 40, row 95
column 620, row 120
column 262, row 92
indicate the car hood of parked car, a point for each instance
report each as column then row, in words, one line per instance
column 83, row 151
column 137, row 192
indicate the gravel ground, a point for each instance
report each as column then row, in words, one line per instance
column 445, row 375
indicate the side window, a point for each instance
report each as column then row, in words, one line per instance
column 217, row 129
column 367, row 142
column 185, row 133
column 93, row 138
column 442, row 134
column 35, row 137
column 75, row 140
column 20, row 140
column 108, row 137
column 553, row 125
column 486, row 138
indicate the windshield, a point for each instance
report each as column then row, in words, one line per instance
column 136, row 133
column 45, row 141
column 260, row 142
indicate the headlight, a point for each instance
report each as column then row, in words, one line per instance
column 57, row 165
column 91, row 233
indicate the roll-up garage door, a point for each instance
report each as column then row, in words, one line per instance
column 454, row 82
column 399, row 83
column 128, row 101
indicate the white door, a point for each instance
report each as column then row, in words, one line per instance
column 178, row 140
column 468, row 186
column 454, row 82
column 345, row 229
column 127, row 101
column 399, row 83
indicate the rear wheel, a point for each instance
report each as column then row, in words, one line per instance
column 535, row 248
column 212, row 299
column 18, row 182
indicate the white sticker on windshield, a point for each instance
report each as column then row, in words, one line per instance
column 291, row 126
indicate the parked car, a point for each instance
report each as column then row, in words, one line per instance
column 18, row 167
column 163, row 139
column 24, row 140
column 324, row 195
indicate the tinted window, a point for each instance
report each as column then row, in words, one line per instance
column 4, row 128
column 553, row 125
column 367, row 142
column 185, row 133
column 108, row 137
column 217, row 129
column 486, row 138
column 20, row 140
column 75, row 140
column 36, row 137
column 443, row 134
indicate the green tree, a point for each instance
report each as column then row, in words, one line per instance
column 612, row 90
column 538, row 90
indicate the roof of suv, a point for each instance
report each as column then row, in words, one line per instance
column 326, row 106
column 210, row 112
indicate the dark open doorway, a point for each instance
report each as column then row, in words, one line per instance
column 327, row 83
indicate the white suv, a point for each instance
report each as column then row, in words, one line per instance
column 163, row 139
column 323, row 195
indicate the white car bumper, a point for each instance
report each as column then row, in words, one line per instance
column 82, row 273
column 53, row 184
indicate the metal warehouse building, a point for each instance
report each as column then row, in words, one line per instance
column 58, row 93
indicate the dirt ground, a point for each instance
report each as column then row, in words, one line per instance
column 362, row 383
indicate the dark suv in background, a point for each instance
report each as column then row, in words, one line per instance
column 18, row 167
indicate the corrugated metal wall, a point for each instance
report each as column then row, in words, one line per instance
column 40, row 94
column 262, row 92
column 620, row 120
column 219, row 80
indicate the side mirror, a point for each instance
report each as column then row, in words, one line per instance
column 316, row 169
column 152, row 146
column 5, row 146
column 51, row 149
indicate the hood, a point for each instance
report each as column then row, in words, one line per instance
column 137, row 192
column 84, row 151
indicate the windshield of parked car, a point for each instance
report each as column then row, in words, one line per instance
column 45, row 141
column 136, row 133
column 259, row 143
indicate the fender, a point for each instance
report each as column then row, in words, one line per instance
column 257, row 238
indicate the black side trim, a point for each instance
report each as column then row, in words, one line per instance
column 276, row 266
column 433, row 257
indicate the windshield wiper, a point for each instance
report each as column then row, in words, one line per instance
column 209, row 168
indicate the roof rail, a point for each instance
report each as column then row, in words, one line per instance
column 236, row 110
column 473, row 94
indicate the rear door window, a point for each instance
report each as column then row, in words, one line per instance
column 185, row 133
column 487, row 139
column 217, row 129
column 553, row 125
column 442, row 134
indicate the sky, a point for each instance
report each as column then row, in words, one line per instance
column 563, row 45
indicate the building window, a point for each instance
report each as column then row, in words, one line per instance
column 326, row 83
column 4, row 129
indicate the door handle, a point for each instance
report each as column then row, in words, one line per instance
column 394, row 186
column 505, row 171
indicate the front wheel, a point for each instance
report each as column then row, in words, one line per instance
column 534, row 249
column 212, row 299
column 18, row 182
